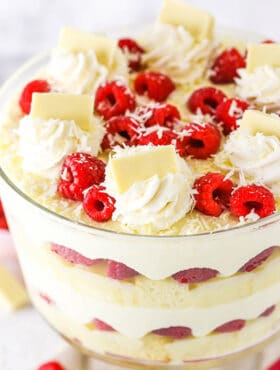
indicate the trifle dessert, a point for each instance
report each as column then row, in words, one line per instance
column 140, row 177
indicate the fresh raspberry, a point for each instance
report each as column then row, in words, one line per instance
column 40, row 86
column 3, row 221
column 198, row 140
column 212, row 193
column 229, row 327
column 257, row 261
column 205, row 100
column 275, row 366
column 113, row 99
column 225, row 67
column 268, row 311
column 133, row 51
column 101, row 325
column 119, row 130
column 79, row 172
column 156, row 85
column 99, row 205
column 195, row 275
column 166, row 115
column 119, row 271
column 252, row 197
column 229, row 111
column 161, row 136
column 53, row 365
column 72, row 256
column 174, row 332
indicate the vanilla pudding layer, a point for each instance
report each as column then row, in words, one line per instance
column 156, row 348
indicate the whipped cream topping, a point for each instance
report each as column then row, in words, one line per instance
column 261, row 87
column 43, row 144
column 159, row 202
column 256, row 156
column 81, row 73
column 174, row 52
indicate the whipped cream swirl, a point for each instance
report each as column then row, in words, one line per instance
column 261, row 87
column 43, row 144
column 256, row 156
column 173, row 51
column 156, row 202
column 81, row 73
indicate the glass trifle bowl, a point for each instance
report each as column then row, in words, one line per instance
column 152, row 318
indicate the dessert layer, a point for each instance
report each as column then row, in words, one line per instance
column 156, row 348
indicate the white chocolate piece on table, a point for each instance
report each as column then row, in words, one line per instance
column 140, row 166
column 261, row 55
column 76, row 40
column 12, row 293
column 178, row 13
column 255, row 121
column 78, row 108
column 27, row 341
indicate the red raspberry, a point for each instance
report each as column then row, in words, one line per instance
column 229, row 111
column 133, row 51
column 225, row 67
column 98, row 205
column 119, row 130
column 268, row 311
column 113, row 99
column 198, row 140
column 205, row 100
column 257, row 261
column 229, row 327
column 252, row 197
column 166, row 115
column 156, row 85
column 79, row 172
column 53, row 365
column 275, row 366
column 72, row 256
column 101, row 325
column 119, row 271
column 161, row 136
column 174, row 332
column 212, row 193
column 195, row 275
column 3, row 221
column 40, row 86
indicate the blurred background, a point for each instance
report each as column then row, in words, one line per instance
column 30, row 26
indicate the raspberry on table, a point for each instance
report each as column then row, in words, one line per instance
column 174, row 332
column 114, row 99
column 205, row 100
column 212, row 193
column 3, row 221
column 133, row 51
column 166, row 115
column 102, row 326
column 72, row 256
column 225, row 67
column 198, row 140
column 160, row 136
column 119, row 271
column 252, row 198
column 275, row 366
column 52, row 365
column 257, row 261
column 120, row 130
column 269, row 311
column 25, row 100
column 229, row 327
column 229, row 111
column 155, row 85
column 98, row 205
column 195, row 275
column 79, row 172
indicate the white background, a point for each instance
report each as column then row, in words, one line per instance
column 29, row 26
